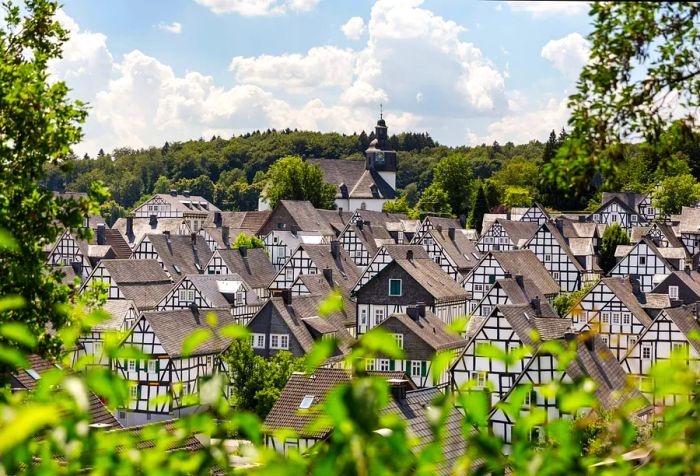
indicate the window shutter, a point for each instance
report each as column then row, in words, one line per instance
column 423, row 368
column 138, row 364
column 391, row 364
column 157, row 365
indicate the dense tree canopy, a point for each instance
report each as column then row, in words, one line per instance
column 292, row 178
column 613, row 236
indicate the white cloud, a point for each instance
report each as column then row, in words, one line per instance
column 523, row 126
column 258, row 7
column 549, row 9
column 568, row 54
column 173, row 27
column 321, row 67
column 354, row 28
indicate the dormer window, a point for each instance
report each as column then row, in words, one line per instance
column 306, row 402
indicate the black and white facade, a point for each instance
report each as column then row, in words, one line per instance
column 645, row 263
column 505, row 235
column 551, row 248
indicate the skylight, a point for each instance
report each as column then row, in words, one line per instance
column 177, row 269
column 33, row 374
column 306, row 402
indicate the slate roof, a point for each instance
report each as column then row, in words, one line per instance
column 207, row 285
column 303, row 213
column 197, row 204
column 431, row 276
column 525, row 263
column 337, row 219
column 143, row 226
column 140, row 280
column 116, row 240
column 690, row 279
column 443, row 222
column 117, row 309
column 413, row 409
column 639, row 232
column 173, row 327
column 285, row 412
column 624, row 290
column 400, row 251
column 461, row 249
column 372, row 236
column 255, row 267
column 685, row 318
column 519, row 231
column 318, row 286
column 181, row 251
column 345, row 273
column 249, row 222
column 689, row 220
column 630, row 199
column 336, row 172
column 430, row 329
column 521, row 291
column 524, row 320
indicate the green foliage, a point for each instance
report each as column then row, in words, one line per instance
column 454, row 175
column 291, row 178
column 480, row 207
column 565, row 302
column 515, row 196
column 434, row 201
column 162, row 185
column 257, row 382
column 642, row 68
column 613, row 236
column 111, row 211
column 674, row 193
column 400, row 205
column 245, row 241
column 520, row 173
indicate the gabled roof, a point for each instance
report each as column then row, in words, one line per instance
column 537, row 206
column 443, row 222
column 117, row 309
column 689, row 220
column 431, row 277
column 518, row 231
column 209, row 287
column 685, row 319
column 639, row 232
column 337, row 219
column 345, row 273
column 528, row 323
column 173, row 327
column 460, row 249
column 430, row 329
column 254, row 268
column 118, row 243
column 337, row 172
column 303, row 213
column 552, row 228
column 401, row 251
column 141, row 280
column 187, row 204
column 248, row 222
column 622, row 203
column 190, row 256
column 628, row 249
column 285, row 413
column 525, row 263
column 630, row 199
column 363, row 187
column 521, row 291
column 624, row 289
column 143, row 226
column 690, row 279
column 372, row 235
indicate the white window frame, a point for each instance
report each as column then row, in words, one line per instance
column 481, row 378
column 240, row 298
column 400, row 287
column 134, row 392
column 279, row 341
column 132, row 365
column 626, row 318
column 616, row 318
column 645, row 348
column 97, row 348
column 363, row 316
column 379, row 315
column 383, row 365
column 673, row 292
column 151, row 366
column 289, row 273
column 257, row 341
column 186, row 295
column 416, row 366
column 605, row 317
column 642, row 261
column 399, row 340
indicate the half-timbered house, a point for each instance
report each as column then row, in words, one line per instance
column 252, row 265
column 314, row 259
column 213, row 291
column 497, row 265
column 165, row 372
column 191, row 209
column 512, row 290
column 552, row 249
column 508, row 328
column 536, row 214
column 505, row 235
column 661, row 234
column 593, row 361
column 640, row 203
column 407, row 280
column 178, row 254
column 422, row 335
column 291, row 215
column 122, row 315
column 675, row 332
column 681, row 287
column 618, row 209
column 292, row 323
column 220, row 229
column 450, row 248
column 613, row 308
column 362, row 239
column 281, row 244
column 689, row 229
column 142, row 281
column 431, row 222
column 133, row 229
column 646, row 263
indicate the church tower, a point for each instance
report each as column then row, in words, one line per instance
column 380, row 158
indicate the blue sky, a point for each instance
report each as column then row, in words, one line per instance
column 465, row 71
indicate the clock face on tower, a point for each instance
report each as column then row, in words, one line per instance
column 379, row 158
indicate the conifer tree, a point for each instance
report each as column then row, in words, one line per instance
column 479, row 208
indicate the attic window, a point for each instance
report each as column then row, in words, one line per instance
column 199, row 268
column 33, row 374
column 306, row 402
column 177, row 269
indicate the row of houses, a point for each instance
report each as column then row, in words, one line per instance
column 171, row 263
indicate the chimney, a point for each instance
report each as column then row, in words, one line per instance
column 463, row 221
column 589, row 343
column 328, row 274
column 186, row 193
column 101, row 234
column 343, row 190
column 294, row 229
column 360, row 224
column 173, row 192
column 373, row 189
column 559, row 224
column 412, row 312
column 439, row 228
column 129, row 226
column 217, row 219
column 569, row 336
column 508, row 215
column 421, row 308
column 409, row 255
column 451, row 233
column 153, row 221
column 194, row 238
column 335, row 249
column 507, row 275
column 287, row 297
column 195, row 311
column 397, row 387
column 243, row 251
column 535, row 303
column 225, row 236
column 340, row 211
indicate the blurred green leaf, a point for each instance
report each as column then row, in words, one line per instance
column 320, row 352
column 7, row 241
column 18, row 333
column 332, row 304
column 212, row 320
column 11, row 302
column 234, row 331
column 194, row 340
column 13, row 357
column 25, row 423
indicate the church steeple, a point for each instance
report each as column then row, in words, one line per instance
column 379, row 155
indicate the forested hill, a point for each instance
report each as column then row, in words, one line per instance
column 228, row 171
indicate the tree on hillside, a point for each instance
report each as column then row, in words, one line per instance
column 515, row 196
column 434, row 201
column 291, row 178
column 454, row 175
column 613, row 236
column 400, row 205
column 38, row 126
column 550, row 148
column 162, row 185
column 480, row 207
column 674, row 193
column 642, row 74
column 517, row 172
